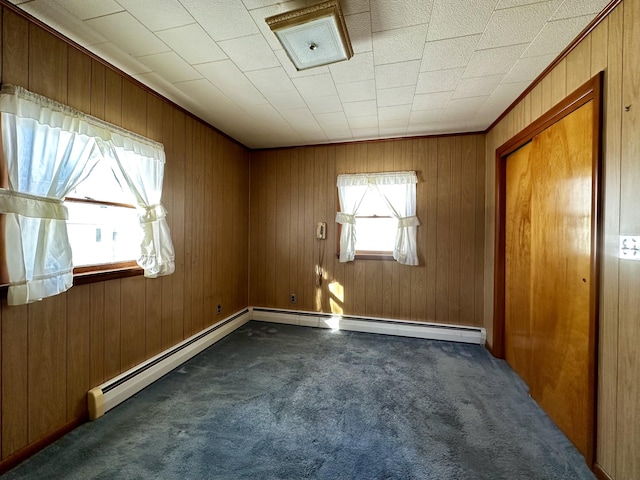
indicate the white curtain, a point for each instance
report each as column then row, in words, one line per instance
column 47, row 151
column 141, row 164
column 398, row 189
column 49, row 148
column 350, row 192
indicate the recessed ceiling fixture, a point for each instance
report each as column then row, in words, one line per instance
column 313, row 36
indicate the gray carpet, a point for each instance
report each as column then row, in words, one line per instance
column 282, row 402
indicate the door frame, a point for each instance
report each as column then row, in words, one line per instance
column 590, row 91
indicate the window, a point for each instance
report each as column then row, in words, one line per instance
column 378, row 216
column 103, row 225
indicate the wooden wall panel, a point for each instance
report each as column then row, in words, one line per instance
column 53, row 351
column 611, row 47
column 302, row 182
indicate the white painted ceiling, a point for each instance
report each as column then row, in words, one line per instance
column 420, row 66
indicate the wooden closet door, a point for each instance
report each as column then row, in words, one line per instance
column 548, row 273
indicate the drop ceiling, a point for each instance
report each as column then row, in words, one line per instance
column 421, row 67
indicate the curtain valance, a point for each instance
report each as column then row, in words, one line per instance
column 50, row 148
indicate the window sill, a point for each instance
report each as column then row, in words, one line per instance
column 371, row 256
column 93, row 276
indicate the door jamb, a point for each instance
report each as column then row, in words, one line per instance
column 590, row 91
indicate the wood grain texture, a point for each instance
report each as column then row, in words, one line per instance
column 628, row 411
column 443, row 287
column 613, row 47
column 91, row 334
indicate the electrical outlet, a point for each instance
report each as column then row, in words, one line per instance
column 219, row 310
column 292, row 298
column 630, row 247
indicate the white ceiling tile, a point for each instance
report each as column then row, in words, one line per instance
column 293, row 5
column 367, row 133
column 359, row 29
column 370, row 121
column 578, row 8
column 192, row 43
column 463, row 108
column 478, row 86
column 332, row 121
column 285, row 100
column 170, row 66
column 507, row 28
column 394, row 113
column 396, row 96
column 493, row 60
column 113, row 54
column 249, row 53
column 288, row 66
column 357, row 91
column 315, row 86
column 396, row 125
column 554, row 35
column 128, row 33
column 441, row 81
column 365, row 108
column 397, row 74
column 431, row 101
column 390, row 14
column 328, row 104
column 527, row 69
column 354, row 6
column 419, row 117
column 357, row 68
column 470, row 18
column 64, row 21
column 232, row 82
column 158, row 14
column 399, row 45
column 202, row 91
column 448, row 53
column 260, row 14
column 517, row 3
column 222, row 19
column 271, row 80
column 85, row 9
column 301, row 118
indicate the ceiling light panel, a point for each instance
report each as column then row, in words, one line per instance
column 313, row 36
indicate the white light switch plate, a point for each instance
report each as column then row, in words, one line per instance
column 630, row 247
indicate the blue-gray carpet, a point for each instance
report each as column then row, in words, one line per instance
column 282, row 402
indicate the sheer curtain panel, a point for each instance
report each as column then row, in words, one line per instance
column 47, row 150
column 141, row 164
column 398, row 189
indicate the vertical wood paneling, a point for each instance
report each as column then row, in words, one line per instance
column 450, row 169
column 78, row 350
column 628, row 434
column 47, row 366
column 14, row 378
column 97, row 336
column 172, row 332
column 53, row 351
column 612, row 47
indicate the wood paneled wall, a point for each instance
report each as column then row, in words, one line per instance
column 294, row 188
column 52, row 352
column 612, row 46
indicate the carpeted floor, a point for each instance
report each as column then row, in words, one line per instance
column 282, row 402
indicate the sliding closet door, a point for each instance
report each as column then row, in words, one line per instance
column 548, row 240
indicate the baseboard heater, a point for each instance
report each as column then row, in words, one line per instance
column 103, row 398
column 404, row 328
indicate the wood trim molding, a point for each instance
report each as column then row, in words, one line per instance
column 561, row 56
column 590, row 91
column 600, row 473
column 21, row 455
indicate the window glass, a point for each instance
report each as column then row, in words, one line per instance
column 103, row 225
column 101, row 234
column 375, row 234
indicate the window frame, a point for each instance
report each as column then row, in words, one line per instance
column 363, row 254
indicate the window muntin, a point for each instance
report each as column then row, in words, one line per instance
column 375, row 227
column 103, row 226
